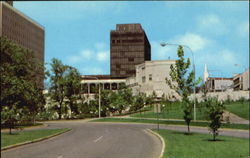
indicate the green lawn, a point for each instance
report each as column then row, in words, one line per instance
column 171, row 111
column 23, row 136
column 196, row 145
column 242, row 110
column 175, row 111
column 168, row 122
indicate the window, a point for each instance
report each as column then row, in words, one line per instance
column 150, row 77
column 118, row 66
column 143, row 79
column 130, row 59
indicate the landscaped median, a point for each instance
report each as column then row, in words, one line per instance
column 26, row 137
column 170, row 122
column 179, row 145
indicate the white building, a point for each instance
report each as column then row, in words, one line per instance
column 219, row 84
column 151, row 77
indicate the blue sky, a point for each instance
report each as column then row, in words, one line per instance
column 78, row 32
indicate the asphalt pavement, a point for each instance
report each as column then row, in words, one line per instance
column 92, row 140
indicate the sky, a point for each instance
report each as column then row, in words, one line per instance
column 78, row 32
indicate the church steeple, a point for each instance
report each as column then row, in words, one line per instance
column 206, row 74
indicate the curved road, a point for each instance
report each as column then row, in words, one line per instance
column 92, row 140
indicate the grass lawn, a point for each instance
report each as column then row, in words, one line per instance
column 242, row 110
column 23, row 136
column 175, row 111
column 171, row 111
column 168, row 122
column 196, row 145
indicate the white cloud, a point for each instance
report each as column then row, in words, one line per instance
column 97, row 54
column 195, row 41
column 221, row 58
column 102, row 56
column 211, row 24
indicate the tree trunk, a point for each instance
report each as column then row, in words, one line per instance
column 214, row 135
column 10, row 130
column 188, row 129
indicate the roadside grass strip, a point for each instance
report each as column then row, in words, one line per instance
column 239, row 109
column 18, row 138
column 170, row 122
column 179, row 145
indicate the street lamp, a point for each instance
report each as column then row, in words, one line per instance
column 163, row 45
column 99, row 93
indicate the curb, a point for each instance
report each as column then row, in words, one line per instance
column 34, row 141
column 161, row 139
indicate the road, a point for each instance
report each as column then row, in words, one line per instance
column 104, row 140
column 92, row 140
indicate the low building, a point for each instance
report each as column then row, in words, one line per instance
column 219, row 84
column 90, row 83
column 241, row 81
column 151, row 78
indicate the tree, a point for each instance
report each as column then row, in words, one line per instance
column 138, row 102
column 182, row 82
column 57, row 80
column 215, row 111
column 121, row 99
column 73, row 89
column 19, row 72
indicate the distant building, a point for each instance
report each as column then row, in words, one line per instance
column 151, row 77
column 21, row 29
column 241, row 81
column 129, row 46
column 219, row 84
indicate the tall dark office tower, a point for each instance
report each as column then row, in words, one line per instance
column 129, row 46
column 21, row 29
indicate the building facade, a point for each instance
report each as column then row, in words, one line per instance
column 24, row 31
column 129, row 46
column 241, row 81
column 219, row 84
column 151, row 78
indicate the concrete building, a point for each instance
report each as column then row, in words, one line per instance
column 21, row 29
column 90, row 84
column 241, row 81
column 219, row 84
column 129, row 46
column 151, row 77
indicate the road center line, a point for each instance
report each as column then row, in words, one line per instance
column 98, row 139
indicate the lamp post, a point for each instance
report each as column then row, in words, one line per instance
column 99, row 94
column 163, row 45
